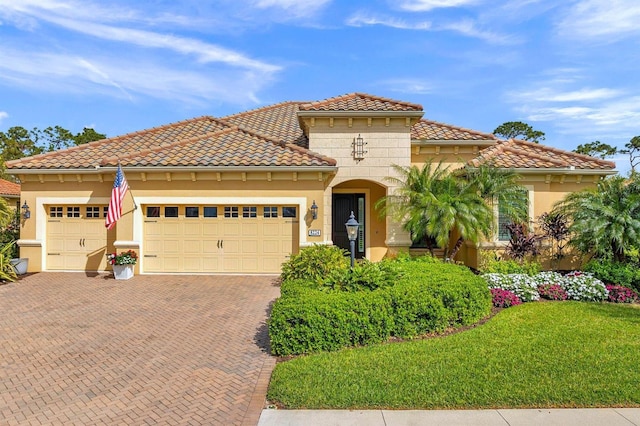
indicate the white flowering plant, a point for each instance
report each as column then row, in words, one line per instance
column 578, row 285
column 521, row 285
column 584, row 286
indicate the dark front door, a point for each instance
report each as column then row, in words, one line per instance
column 343, row 205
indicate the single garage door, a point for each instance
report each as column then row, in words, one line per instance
column 219, row 238
column 76, row 238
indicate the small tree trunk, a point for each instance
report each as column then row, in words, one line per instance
column 456, row 248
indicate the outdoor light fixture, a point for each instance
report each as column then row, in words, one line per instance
column 26, row 213
column 358, row 148
column 352, row 232
column 314, row 210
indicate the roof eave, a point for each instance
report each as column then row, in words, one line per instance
column 423, row 142
column 346, row 113
column 560, row 170
column 186, row 169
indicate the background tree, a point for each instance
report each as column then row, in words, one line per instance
column 597, row 149
column 632, row 148
column 604, row 221
column 519, row 130
column 18, row 142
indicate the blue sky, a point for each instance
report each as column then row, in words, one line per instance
column 568, row 68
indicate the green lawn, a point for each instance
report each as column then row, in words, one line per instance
column 540, row 354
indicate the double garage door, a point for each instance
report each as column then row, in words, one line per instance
column 217, row 238
column 178, row 238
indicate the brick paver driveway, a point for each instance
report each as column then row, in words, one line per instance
column 150, row 350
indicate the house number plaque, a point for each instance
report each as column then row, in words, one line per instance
column 314, row 232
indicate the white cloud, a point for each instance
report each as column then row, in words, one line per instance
column 466, row 28
column 148, row 63
column 414, row 86
column 606, row 20
column 361, row 19
column 128, row 78
column 427, row 5
column 205, row 52
column 294, row 8
column 547, row 94
column 3, row 115
column 561, row 100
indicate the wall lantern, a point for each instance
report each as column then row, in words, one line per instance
column 352, row 232
column 314, row 210
column 26, row 213
column 358, row 148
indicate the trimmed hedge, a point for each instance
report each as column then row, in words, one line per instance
column 430, row 297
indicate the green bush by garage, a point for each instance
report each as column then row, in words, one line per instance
column 339, row 307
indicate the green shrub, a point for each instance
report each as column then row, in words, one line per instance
column 314, row 263
column 464, row 294
column 510, row 266
column 327, row 322
column 299, row 287
column 431, row 296
column 365, row 275
column 7, row 270
column 616, row 273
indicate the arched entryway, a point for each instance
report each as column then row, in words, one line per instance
column 359, row 196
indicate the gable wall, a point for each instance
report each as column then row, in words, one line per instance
column 388, row 143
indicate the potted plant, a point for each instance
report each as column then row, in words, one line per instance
column 122, row 264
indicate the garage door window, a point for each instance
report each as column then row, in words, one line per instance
column 210, row 212
column 192, row 211
column 73, row 211
column 230, row 211
column 289, row 212
column 171, row 212
column 250, row 212
column 93, row 212
column 270, row 211
column 55, row 211
column 153, row 211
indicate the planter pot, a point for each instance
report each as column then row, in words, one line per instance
column 122, row 272
column 20, row 265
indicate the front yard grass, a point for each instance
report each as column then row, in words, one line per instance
column 540, row 354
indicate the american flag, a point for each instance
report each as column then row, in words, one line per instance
column 120, row 187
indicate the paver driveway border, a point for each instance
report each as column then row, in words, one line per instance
column 154, row 349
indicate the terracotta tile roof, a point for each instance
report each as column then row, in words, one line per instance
column 279, row 121
column 433, row 130
column 224, row 148
column 517, row 154
column 272, row 136
column 91, row 154
column 360, row 102
column 8, row 188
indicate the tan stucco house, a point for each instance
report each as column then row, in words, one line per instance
column 235, row 194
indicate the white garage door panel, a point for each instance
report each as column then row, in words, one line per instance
column 217, row 244
column 76, row 242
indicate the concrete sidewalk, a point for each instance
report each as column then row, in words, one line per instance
column 506, row 417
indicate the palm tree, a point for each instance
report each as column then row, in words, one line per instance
column 605, row 221
column 496, row 185
column 432, row 202
column 415, row 191
column 458, row 208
